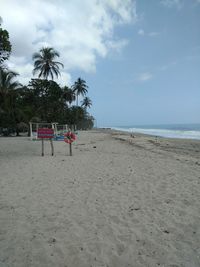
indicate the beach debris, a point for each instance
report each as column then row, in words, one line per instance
column 94, row 147
column 132, row 208
column 52, row 240
column 166, row 231
column 167, row 201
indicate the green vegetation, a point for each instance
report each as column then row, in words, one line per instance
column 86, row 103
column 45, row 63
column 79, row 88
column 5, row 45
column 42, row 100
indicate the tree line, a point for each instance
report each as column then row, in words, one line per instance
column 42, row 100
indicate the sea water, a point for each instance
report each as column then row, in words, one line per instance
column 187, row 131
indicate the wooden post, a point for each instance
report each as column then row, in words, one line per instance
column 42, row 147
column 52, row 148
column 31, row 130
column 56, row 129
column 37, row 130
column 70, row 149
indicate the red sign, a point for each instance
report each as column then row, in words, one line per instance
column 45, row 133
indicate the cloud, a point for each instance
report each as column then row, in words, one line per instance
column 172, row 3
column 150, row 34
column 117, row 45
column 80, row 30
column 141, row 32
column 145, row 76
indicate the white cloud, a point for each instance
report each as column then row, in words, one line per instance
column 150, row 34
column 79, row 30
column 172, row 3
column 141, row 32
column 65, row 79
column 117, row 45
column 145, row 76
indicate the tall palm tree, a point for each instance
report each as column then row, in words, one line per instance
column 79, row 88
column 44, row 63
column 86, row 103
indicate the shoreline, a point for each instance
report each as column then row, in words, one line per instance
column 154, row 137
column 158, row 134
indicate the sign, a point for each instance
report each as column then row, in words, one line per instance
column 45, row 133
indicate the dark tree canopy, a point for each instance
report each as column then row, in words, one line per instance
column 86, row 103
column 69, row 95
column 42, row 100
column 9, row 112
column 5, row 45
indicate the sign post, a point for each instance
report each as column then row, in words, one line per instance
column 42, row 147
column 46, row 133
column 52, row 148
column 70, row 149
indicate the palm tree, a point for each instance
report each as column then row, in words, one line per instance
column 8, row 94
column 79, row 88
column 86, row 103
column 45, row 64
column 68, row 94
column 7, row 83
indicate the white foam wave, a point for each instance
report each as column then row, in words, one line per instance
column 163, row 132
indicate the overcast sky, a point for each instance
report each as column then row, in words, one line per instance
column 140, row 59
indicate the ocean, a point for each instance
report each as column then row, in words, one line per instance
column 187, row 131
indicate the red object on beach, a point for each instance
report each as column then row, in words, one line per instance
column 45, row 133
column 69, row 137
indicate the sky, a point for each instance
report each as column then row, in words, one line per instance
column 140, row 58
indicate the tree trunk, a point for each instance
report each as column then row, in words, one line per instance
column 17, row 132
column 77, row 100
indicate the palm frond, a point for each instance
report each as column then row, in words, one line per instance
column 45, row 64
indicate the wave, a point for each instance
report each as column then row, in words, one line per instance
column 162, row 132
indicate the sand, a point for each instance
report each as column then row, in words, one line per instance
column 118, row 201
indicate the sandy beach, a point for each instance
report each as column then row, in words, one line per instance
column 119, row 201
